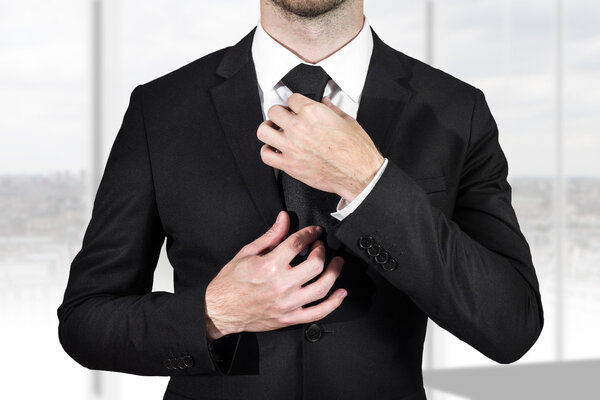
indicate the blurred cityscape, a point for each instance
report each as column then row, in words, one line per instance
column 42, row 219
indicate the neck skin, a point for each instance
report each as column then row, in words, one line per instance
column 313, row 39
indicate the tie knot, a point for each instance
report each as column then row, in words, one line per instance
column 308, row 80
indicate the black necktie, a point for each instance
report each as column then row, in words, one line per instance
column 306, row 205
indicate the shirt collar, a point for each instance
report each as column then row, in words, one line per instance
column 347, row 67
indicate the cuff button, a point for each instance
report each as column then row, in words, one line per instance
column 390, row 265
column 374, row 250
column 365, row 242
column 382, row 258
column 188, row 361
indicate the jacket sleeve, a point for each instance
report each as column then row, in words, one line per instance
column 472, row 274
column 110, row 319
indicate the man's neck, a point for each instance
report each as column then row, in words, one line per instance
column 313, row 39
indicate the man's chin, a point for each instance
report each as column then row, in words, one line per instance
column 308, row 8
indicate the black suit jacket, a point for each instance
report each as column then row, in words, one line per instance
column 437, row 237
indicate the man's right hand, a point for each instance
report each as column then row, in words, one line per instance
column 259, row 291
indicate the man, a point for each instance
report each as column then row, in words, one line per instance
column 398, row 162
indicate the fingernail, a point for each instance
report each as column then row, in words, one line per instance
column 319, row 229
column 343, row 295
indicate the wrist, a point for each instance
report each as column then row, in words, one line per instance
column 358, row 183
column 213, row 332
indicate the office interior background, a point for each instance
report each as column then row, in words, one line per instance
column 67, row 68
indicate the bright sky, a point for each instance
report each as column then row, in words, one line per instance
column 507, row 48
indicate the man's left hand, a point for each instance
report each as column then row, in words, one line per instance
column 319, row 145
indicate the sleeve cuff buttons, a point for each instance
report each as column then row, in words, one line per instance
column 377, row 253
column 179, row 362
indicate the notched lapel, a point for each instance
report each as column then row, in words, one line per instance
column 383, row 97
column 238, row 107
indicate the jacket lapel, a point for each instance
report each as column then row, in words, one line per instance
column 384, row 97
column 238, row 106
column 239, row 110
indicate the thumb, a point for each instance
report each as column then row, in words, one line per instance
column 327, row 101
column 271, row 238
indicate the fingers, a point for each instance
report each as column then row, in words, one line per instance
column 268, row 134
column 327, row 101
column 319, row 289
column 270, row 239
column 272, row 125
column 290, row 247
column 312, row 266
column 296, row 101
column 280, row 115
column 319, row 311
column 271, row 157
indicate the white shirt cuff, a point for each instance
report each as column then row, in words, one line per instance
column 345, row 208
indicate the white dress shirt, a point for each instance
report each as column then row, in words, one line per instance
column 347, row 68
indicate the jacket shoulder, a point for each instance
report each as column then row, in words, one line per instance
column 427, row 82
column 430, row 81
column 449, row 98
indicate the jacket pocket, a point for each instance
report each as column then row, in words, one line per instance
column 432, row 185
column 436, row 190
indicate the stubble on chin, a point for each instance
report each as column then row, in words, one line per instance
column 307, row 9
